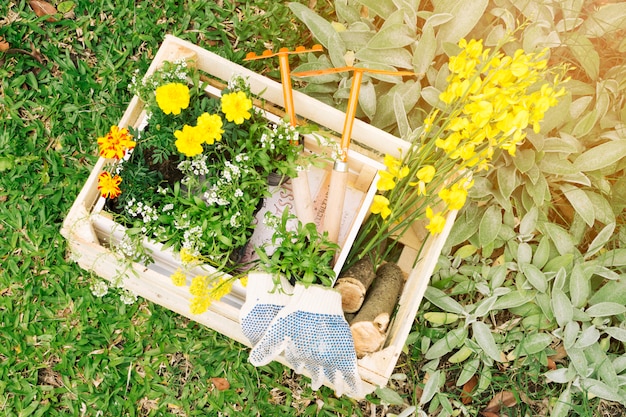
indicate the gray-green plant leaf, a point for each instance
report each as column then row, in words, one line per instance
column 490, row 225
column 425, row 50
column 430, row 388
column 535, row 276
column 585, row 53
column 443, row 301
column 616, row 333
column 383, row 9
column 600, row 240
column 534, row 343
column 579, row 286
column 514, row 299
column 563, row 404
column 601, row 156
column 562, row 307
column 466, row 14
column 389, row 396
column 562, row 240
column 605, row 309
column 587, row 337
column 608, row 18
column 484, row 338
column 321, row 29
column 580, row 202
column 561, row 375
column 392, row 36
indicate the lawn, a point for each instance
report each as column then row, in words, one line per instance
column 536, row 257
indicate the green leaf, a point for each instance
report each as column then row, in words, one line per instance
column 580, row 202
column 585, row 124
column 469, row 370
column 6, row 163
column 585, row 53
column 483, row 336
column 600, row 389
column 490, row 225
column 485, row 306
column 389, row 396
column 533, row 344
column 562, row 406
column 562, row 307
column 616, row 333
column 601, row 156
column 321, row 29
column 65, row 6
column 562, row 240
column 430, row 388
column 367, row 99
column 453, row 339
column 397, row 57
column 600, row 240
column 384, row 9
column 606, row 19
column 392, row 36
column 605, row 309
column 553, row 163
column 507, row 180
column 587, row 337
column 443, row 301
column 579, row 286
column 542, row 253
column 466, row 14
column 534, row 275
column 424, row 51
column 513, row 299
column 401, row 119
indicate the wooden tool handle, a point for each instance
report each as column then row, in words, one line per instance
column 302, row 198
column 334, row 203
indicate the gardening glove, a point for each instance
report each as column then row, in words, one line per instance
column 314, row 335
column 264, row 299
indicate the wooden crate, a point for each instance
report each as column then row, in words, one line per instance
column 90, row 231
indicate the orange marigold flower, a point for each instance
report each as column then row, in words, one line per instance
column 114, row 144
column 108, row 185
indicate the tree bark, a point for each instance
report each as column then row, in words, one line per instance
column 370, row 323
column 354, row 283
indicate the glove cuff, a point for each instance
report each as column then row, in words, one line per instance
column 317, row 299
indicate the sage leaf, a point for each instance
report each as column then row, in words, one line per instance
column 443, row 301
column 562, row 307
column 469, row 370
column 616, row 333
column 563, row 404
column 430, row 388
column 605, row 309
column 587, row 337
column 562, row 240
column 561, row 375
column 485, row 306
column 585, row 53
column 484, row 338
column 384, row 9
column 601, row 389
column 392, row 36
column 601, row 156
column 580, row 202
column 534, row 343
column 424, row 51
column 466, row 14
column 606, row 19
column 534, row 275
column 450, row 341
column 600, row 240
column 579, row 286
column 514, row 299
column 389, row 396
column 490, row 225
column 321, row 29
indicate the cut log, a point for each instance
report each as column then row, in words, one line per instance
column 370, row 324
column 354, row 283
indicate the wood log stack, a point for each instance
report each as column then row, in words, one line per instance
column 369, row 310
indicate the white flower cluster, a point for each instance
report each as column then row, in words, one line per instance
column 139, row 209
column 212, row 196
column 99, row 288
column 234, row 219
column 197, row 166
column 193, row 241
column 220, row 192
column 281, row 132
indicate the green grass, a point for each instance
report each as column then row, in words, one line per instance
column 62, row 350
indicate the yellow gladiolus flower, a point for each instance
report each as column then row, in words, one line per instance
column 380, row 205
column 437, row 221
column 172, row 98
column 236, row 107
column 188, row 141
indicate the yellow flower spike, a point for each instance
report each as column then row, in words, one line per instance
column 198, row 286
column 454, row 197
column 380, row 205
column 236, row 107
column 179, row 278
column 210, row 128
column 187, row 257
column 220, row 288
column 437, row 221
column 386, row 181
column 199, row 304
column 188, row 141
column 172, row 98
column 426, row 173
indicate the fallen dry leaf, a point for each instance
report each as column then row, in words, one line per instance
column 503, row 398
column 43, row 8
column 4, row 45
column 551, row 364
column 489, row 414
column 466, row 395
column 220, row 383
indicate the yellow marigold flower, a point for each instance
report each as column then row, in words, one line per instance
column 380, row 205
column 115, row 143
column 199, row 304
column 172, row 98
column 210, row 126
column 188, row 141
column 108, row 185
column 454, row 197
column 437, row 221
column 198, row 286
column 178, row 278
column 236, row 107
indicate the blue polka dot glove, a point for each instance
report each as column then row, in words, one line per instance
column 264, row 300
column 314, row 336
